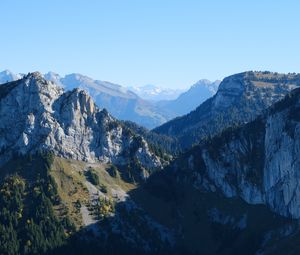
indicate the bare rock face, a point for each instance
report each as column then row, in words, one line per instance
column 258, row 162
column 261, row 88
column 37, row 115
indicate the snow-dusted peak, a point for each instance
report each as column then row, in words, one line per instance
column 156, row 93
column 55, row 77
column 208, row 85
column 7, row 76
column 71, row 81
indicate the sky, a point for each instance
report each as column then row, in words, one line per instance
column 169, row 43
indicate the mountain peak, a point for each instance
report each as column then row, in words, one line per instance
column 240, row 98
column 7, row 76
column 6, row 72
column 203, row 82
column 37, row 80
column 51, row 74
column 68, row 124
column 35, row 74
column 264, row 76
column 211, row 86
column 54, row 77
column 251, row 81
column 269, row 142
column 156, row 93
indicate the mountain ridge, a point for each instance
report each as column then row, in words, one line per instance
column 190, row 99
column 124, row 104
column 68, row 124
column 237, row 192
column 155, row 93
column 240, row 98
column 260, row 156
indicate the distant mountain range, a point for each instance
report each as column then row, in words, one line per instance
column 142, row 105
column 119, row 101
column 155, row 93
column 7, row 76
column 189, row 100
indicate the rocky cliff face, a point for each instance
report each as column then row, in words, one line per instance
column 37, row 115
column 258, row 162
column 240, row 98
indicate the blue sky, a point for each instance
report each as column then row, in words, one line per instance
column 136, row 42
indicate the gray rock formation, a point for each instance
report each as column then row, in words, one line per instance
column 37, row 115
column 258, row 162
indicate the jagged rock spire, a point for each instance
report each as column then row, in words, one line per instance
column 67, row 123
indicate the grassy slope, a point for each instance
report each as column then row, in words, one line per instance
column 71, row 181
column 72, row 185
column 70, row 188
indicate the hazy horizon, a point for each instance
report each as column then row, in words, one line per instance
column 171, row 44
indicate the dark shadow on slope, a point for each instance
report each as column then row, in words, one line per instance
column 200, row 222
column 203, row 223
column 209, row 223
